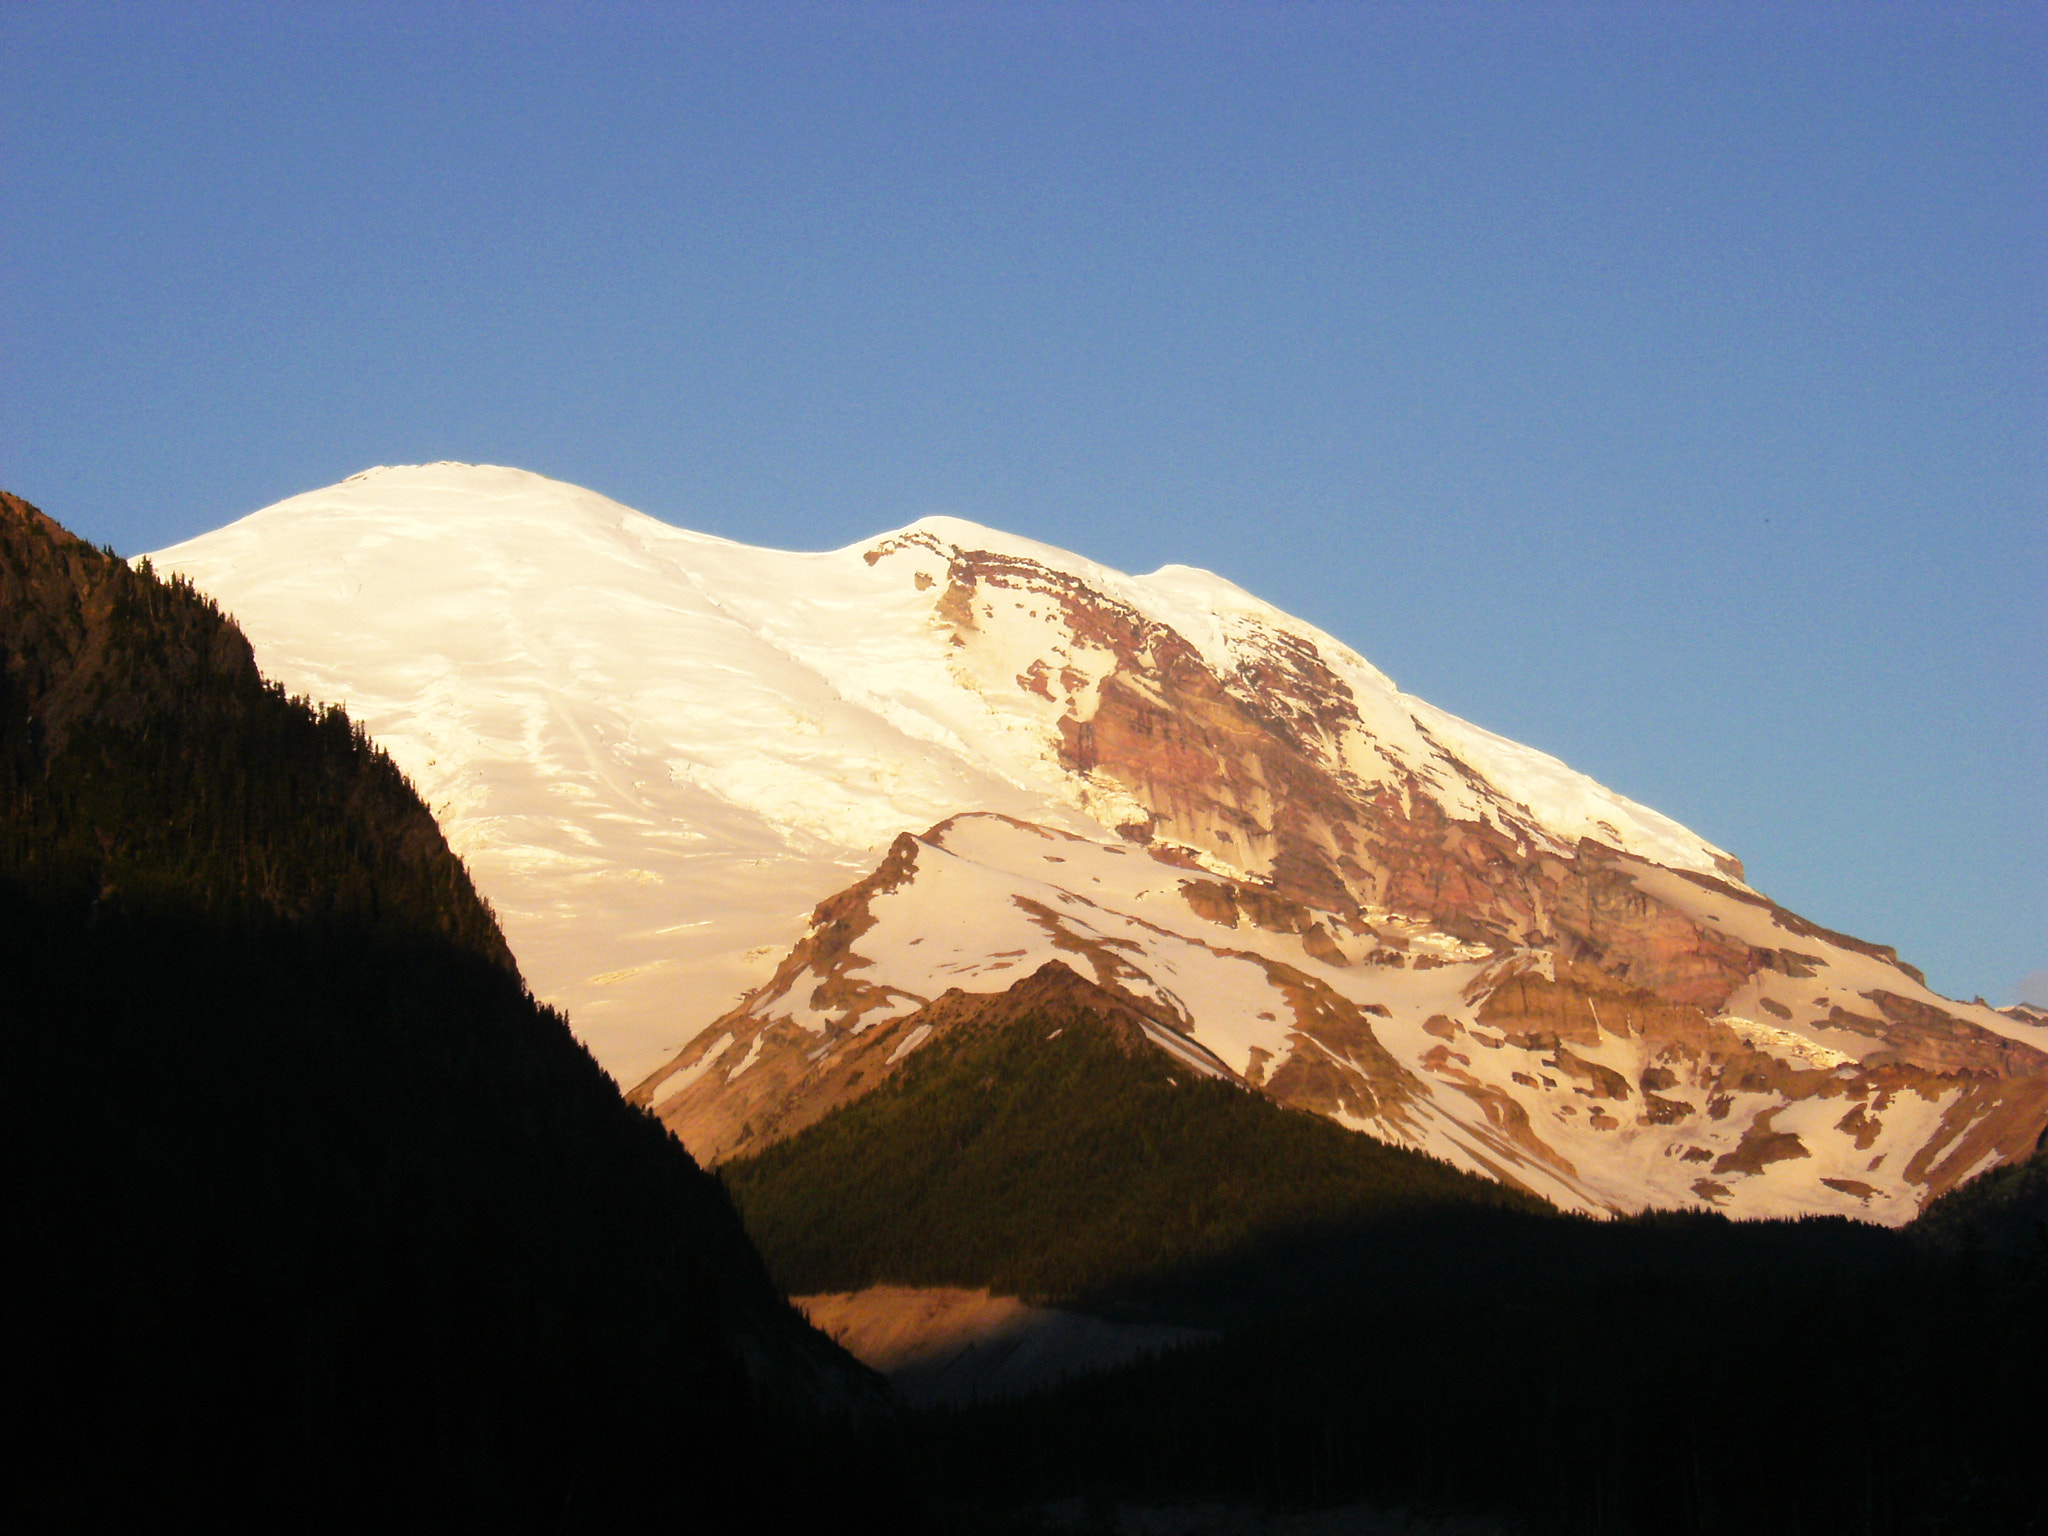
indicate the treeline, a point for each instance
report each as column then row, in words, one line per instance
column 1395, row 1333
column 2002, row 1214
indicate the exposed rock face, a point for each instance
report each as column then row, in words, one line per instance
column 1271, row 768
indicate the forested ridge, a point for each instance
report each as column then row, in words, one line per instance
column 147, row 766
column 316, row 1218
column 1041, row 1147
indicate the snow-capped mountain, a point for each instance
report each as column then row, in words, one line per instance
column 801, row 795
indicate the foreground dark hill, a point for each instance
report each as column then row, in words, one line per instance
column 1777, row 1388
column 315, row 1217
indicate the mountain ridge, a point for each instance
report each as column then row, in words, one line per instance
column 82, row 694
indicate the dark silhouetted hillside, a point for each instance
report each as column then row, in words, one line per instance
column 315, row 1218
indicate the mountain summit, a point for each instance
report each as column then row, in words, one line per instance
column 745, row 813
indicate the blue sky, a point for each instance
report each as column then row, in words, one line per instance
column 1665, row 386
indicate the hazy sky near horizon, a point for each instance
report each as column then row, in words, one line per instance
column 1665, row 386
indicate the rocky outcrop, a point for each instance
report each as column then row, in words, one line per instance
column 1270, row 769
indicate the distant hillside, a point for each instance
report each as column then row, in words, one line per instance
column 1389, row 1341
column 2001, row 1213
column 317, row 1219
column 1685, row 1376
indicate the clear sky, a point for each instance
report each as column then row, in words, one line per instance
column 1665, row 386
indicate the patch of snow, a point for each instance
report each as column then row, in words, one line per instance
column 753, row 1055
column 909, row 1043
column 676, row 1082
column 1785, row 1043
